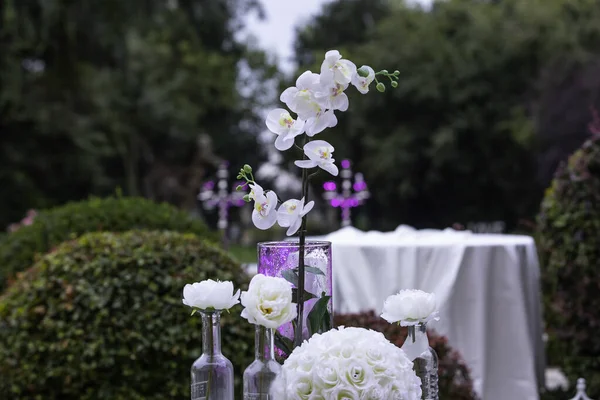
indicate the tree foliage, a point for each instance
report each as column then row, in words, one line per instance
column 99, row 94
column 460, row 139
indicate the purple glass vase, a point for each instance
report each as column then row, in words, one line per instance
column 274, row 258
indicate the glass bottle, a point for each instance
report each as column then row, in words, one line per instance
column 259, row 375
column 425, row 360
column 212, row 373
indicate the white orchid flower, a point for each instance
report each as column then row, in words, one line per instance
column 281, row 123
column 362, row 82
column 290, row 214
column 319, row 153
column 334, row 69
column 301, row 98
column 264, row 214
column 255, row 191
column 333, row 97
column 323, row 120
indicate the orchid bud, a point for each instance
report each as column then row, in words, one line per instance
column 381, row 87
column 247, row 169
column 396, row 72
column 246, row 198
column 363, row 71
column 239, row 176
column 239, row 187
column 384, row 71
column 394, row 84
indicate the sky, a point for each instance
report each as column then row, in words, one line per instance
column 276, row 33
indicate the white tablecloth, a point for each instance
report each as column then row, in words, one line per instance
column 488, row 286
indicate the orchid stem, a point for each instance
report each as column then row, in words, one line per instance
column 302, row 242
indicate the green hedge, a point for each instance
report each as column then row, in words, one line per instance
column 101, row 317
column 569, row 246
column 116, row 214
column 454, row 380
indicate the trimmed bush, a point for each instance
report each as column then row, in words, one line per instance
column 569, row 247
column 101, row 317
column 454, row 380
column 115, row 214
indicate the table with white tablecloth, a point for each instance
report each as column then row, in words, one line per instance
column 487, row 286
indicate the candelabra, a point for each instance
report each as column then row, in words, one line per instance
column 351, row 196
column 222, row 197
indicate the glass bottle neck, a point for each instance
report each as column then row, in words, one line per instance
column 265, row 343
column 211, row 332
column 416, row 331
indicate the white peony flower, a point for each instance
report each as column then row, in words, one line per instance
column 319, row 153
column 410, row 307
column 268, row 302
column 334, row 69
column 209, row 294
column 362, row 83
column 281, row 123
column 264, row 214
column 338, row 365
column 290, row 214
column 301, row 98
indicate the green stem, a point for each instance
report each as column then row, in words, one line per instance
column 302, row 242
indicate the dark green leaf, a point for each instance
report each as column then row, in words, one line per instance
column 291, row 276
column 317, row 314
column 307, row 295
column 313, row 270
column 284, row 344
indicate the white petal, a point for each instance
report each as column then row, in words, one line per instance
column 305, row 163
column 297, row 128
column 263, row 223
column 272, row 200
column 294, row 227
column 330, row 118
column 285, row 215
column 288, row 94
column 343, row 75
column 330, row 167
column 314, row 145
column 309, row 206
column 273, row 119
column 340, row 102
column 307, row 80
column 331, row 57
column 283, row 142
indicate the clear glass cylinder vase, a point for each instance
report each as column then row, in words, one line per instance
column 282, row 259
column 425, row 360
column 259, row 375
column 212, row 373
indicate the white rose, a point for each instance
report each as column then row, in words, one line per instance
column 342, row 393
column 300, row 387
column 410, row 307
column 268, row 302
column 357, row 373
column 209, row 294
column 327, row 375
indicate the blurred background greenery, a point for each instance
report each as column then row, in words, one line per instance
column 145, row 99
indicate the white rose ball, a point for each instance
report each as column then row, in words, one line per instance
column 268, row 302
column 410, row 307
column 209, row 294
column 371, row 368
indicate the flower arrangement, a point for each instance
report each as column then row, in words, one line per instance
column 410, row 307
column 210, row 295
column 347, row 363
column 314, row 100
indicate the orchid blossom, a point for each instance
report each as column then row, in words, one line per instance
column 319, row 154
